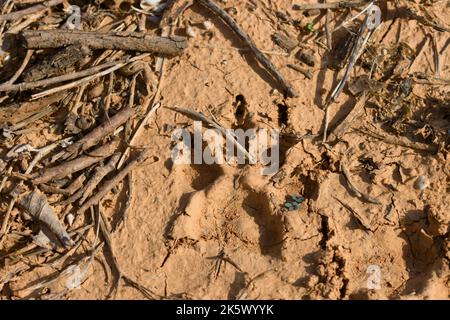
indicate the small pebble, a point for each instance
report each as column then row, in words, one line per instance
column 4, row 56
column 190, row 32
column 85, row 122
column 421, row 183
column 312, row 13
column 232, row 10
column 275, row 92
column 207, row 25
column 307, row 57
column 70, row 218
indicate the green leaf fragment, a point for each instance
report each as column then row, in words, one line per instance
column 310, row 27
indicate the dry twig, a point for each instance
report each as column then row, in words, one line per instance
column 100, row 173
column 80, row 163
column 130, row 41
column 330, row 5
column 9, row 86
column 22, row 13
column 100, row 132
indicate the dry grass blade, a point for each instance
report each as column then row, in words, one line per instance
column 399, row 141
column 47, row 82
column 22, row 67
column 87, row 79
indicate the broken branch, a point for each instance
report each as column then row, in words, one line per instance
column 9, row 86
column 100, row 173
column 130, row 41
column 77, row 164
column 103, row 130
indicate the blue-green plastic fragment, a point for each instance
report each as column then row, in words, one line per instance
column 297, row 198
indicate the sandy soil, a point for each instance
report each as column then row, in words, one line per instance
column 220, row 231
